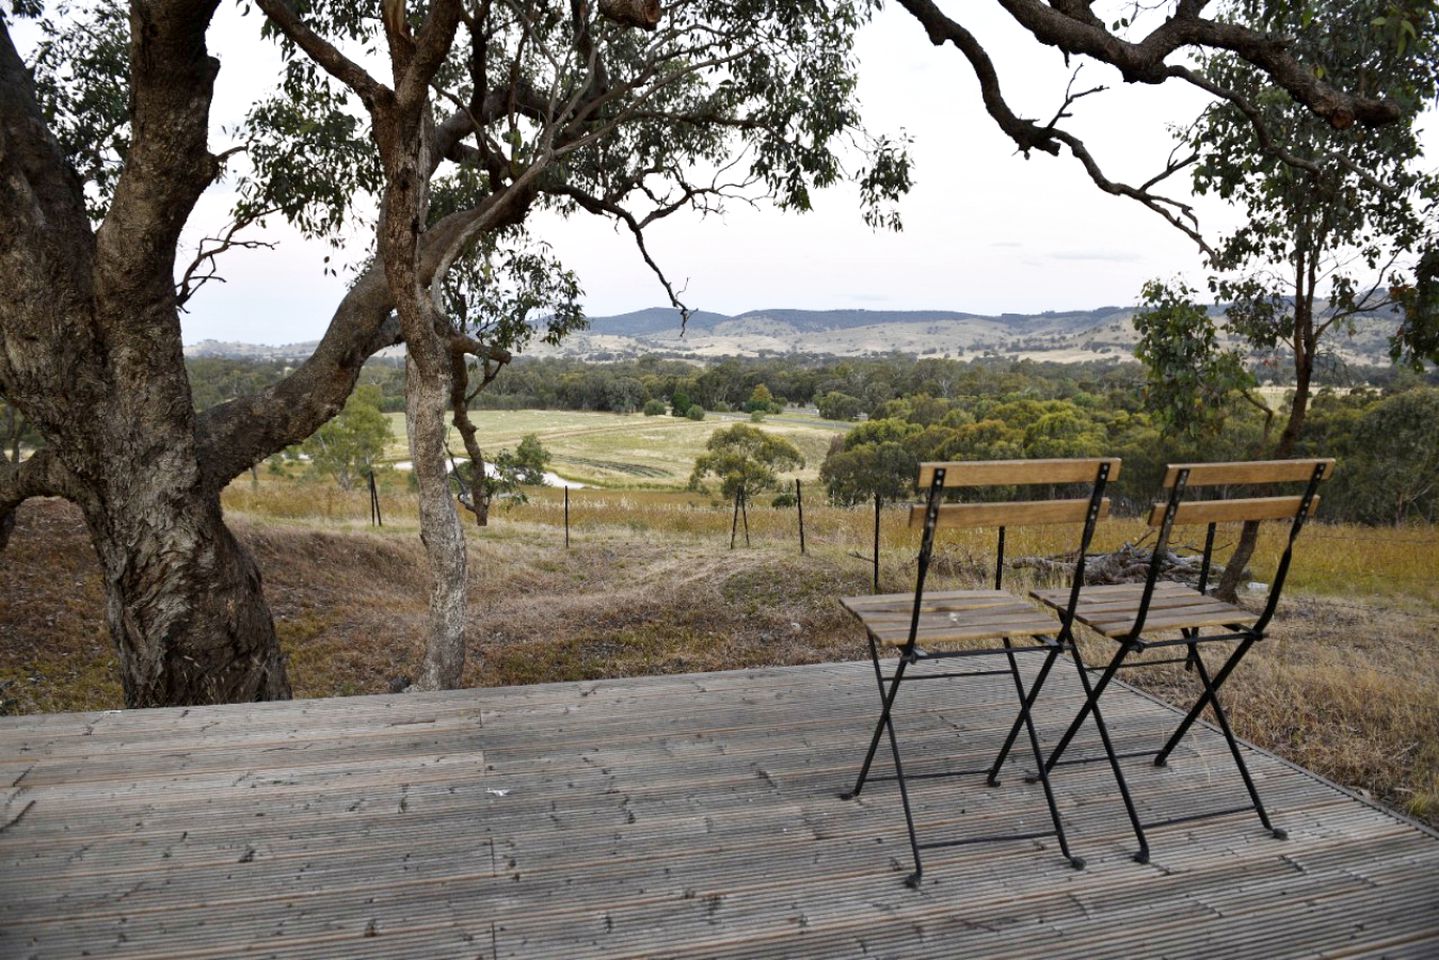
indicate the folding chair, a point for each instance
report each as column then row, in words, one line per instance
column 1130, row 614
column 956, row 617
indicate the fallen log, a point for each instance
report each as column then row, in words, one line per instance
column 1128, row 564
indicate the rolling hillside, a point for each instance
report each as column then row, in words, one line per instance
column 1064, row 336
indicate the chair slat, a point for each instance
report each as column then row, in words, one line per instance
column 979, row 473
column 1009, row 513
column 1229, row 511
column 1251, row 471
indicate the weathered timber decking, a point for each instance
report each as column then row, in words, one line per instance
column 682, row 816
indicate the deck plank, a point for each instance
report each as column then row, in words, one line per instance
column 685, row 816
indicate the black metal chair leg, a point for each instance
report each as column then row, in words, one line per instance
column 1213, row 693
column 912, row 881
column 1025, row 702
column 992, row 778
column 1162, row 757
column 887, row 699
column 1090, row 700
column 1142, row 855
column 886, row 724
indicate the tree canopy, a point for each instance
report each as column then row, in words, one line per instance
column 745, row 458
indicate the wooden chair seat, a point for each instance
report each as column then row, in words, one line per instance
column 950, row 616
column 1111, row 609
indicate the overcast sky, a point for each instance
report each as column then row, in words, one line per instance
column 985, row 230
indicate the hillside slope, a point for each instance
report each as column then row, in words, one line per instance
column 1062, row 336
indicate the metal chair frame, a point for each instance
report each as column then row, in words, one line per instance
column 911, row 654
column 1133, row 642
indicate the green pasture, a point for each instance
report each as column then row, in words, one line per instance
column 626, row 450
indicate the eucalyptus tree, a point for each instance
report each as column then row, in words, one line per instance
column 745, row 458
column 104, row 151
column 1333, row 222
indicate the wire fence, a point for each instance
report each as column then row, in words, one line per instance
column 1375, row 560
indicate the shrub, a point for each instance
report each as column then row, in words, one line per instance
column 695, row 412
column 654, row 408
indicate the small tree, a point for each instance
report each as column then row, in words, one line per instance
column 511, row 470
column 855, row 475
column 530, row 461
column 760, row 400
column 839, row 406
column 745, row 457
column 695, row 412
column 348, row 446
column 654, row 408
column 680, row 403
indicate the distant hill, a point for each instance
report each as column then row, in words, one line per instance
column 1062, row 336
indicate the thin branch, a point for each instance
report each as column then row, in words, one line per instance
column 205, row 257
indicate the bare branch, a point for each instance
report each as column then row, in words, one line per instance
column 205, row 257
column 637, row 229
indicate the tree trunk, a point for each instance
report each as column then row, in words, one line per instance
column 440, row 531
column 403, row 135
column 1304, row 345
column 480, row 496
column 184, row 604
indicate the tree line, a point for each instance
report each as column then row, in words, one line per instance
column 1378, row 423
column 840, row 389
column 1384, row 440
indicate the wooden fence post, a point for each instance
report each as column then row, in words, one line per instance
column 799, row 502
column 744, row 512
column 567, row 516
column 876, row 542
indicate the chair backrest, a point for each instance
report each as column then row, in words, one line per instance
column 1013, row 513
column 936, row 477
column 1179, row 478
column 1248, row 473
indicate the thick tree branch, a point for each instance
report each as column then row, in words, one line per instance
column 43, row 475
column 168, row 164
column 235, row 435
column 44, row 235
column 1048, row 138
column 1077, row 31
column 324, row 53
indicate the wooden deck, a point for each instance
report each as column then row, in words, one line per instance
column 684, row 816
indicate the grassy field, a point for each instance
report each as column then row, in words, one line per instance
column 626, row 450
column 1346, row 685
